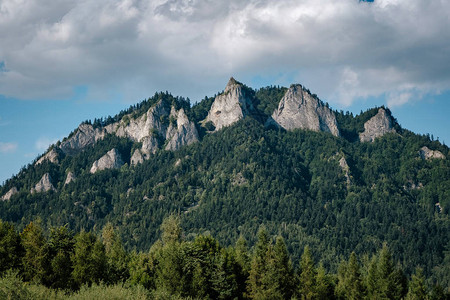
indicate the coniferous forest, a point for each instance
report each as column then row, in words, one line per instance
column 247, row 212
column 64, row 265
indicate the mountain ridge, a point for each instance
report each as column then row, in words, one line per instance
column 334, row 193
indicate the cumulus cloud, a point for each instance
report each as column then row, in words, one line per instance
column 342, row 50
column 8, row 147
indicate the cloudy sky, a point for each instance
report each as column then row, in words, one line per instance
column 65, row 61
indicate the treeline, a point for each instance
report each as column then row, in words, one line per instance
column 63, row 262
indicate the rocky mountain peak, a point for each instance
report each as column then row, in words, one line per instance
column 84, row 136
column 44, row 185
column 299, row 109
column 426, row 153
column 230, row 106
column 377, row 126
column 111, row 160
column 9, row 194
column 70, row 178
column 51, row 156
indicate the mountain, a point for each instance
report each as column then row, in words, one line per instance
column 275, row 156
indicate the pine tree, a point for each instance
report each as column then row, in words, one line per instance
column 350, row 284
column 417, row 289
column 117, row 257
column 258, row 270
column 307, row 275
column 89, row 259
column 61, row 247
column 11, row 249
column 34, row 262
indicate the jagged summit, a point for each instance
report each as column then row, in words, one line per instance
column 377, row 126
column 299, row 109
column 230, row 106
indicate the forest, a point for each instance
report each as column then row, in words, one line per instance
column 224, row 187
column 64, row 265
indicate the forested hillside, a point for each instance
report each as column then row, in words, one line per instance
column 334, row 193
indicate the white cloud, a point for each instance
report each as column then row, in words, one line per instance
column 43, row 143
column 8, row 147
column 190, row 47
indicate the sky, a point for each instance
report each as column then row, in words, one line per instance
column 66, row 61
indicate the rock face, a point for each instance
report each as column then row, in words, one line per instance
column 51, row 156
column 70, row 178
column 111, row 160
column 426, row 153
column 230, row 107
column 377, row 126
column 299, row 109
column 44, row 185
column 182, row 133
column 84, row 136
column 9, row 194
column 346, row 169
column 161, row 123
column 137, row 157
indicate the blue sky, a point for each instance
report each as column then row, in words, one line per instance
column 65, row 62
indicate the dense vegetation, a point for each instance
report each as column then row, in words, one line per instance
column 246, row 175
column 84, row 266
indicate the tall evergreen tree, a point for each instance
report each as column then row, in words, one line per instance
column 350, row 283
column 61, row 247
column 116, row 255
column 417, row 289
column 89, row 259
column 307, row 288
column 11, row 249
column 34, row 262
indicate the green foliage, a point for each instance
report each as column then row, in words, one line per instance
column 89, row 259
column 11, row 249
column 236, row 179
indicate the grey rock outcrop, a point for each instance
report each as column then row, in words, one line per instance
column 427, row 154
column 111, row 160
column 346, row 169
column 44, row 185
column 182, row 133
column 154, row 121
column 137, row 157
column 299, row 109
column 84, row 136
column 162, row 122
column 230, row 106
column 70, row 178
column 377, row 126
column 51, row 156
column 9, row 194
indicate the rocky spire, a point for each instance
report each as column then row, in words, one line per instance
column 70, row 178
column 51, row 156
column 426, row 153
column 111, row 160
column 299, row 109
column 44, row 185
column 230, row 106
column 9, row 194
column 377, row 126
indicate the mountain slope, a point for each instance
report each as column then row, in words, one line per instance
column 243, row 174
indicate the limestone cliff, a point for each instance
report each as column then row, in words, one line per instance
column 44, row 185
column 427, row 154
column 83, row 137
column 230, row 106
column 377, row 126
column 299, row 109
column 182, row 132
column 51, row 156
column 70, row 178
column 110, row 160
column 9, row 194
column 137, row 157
